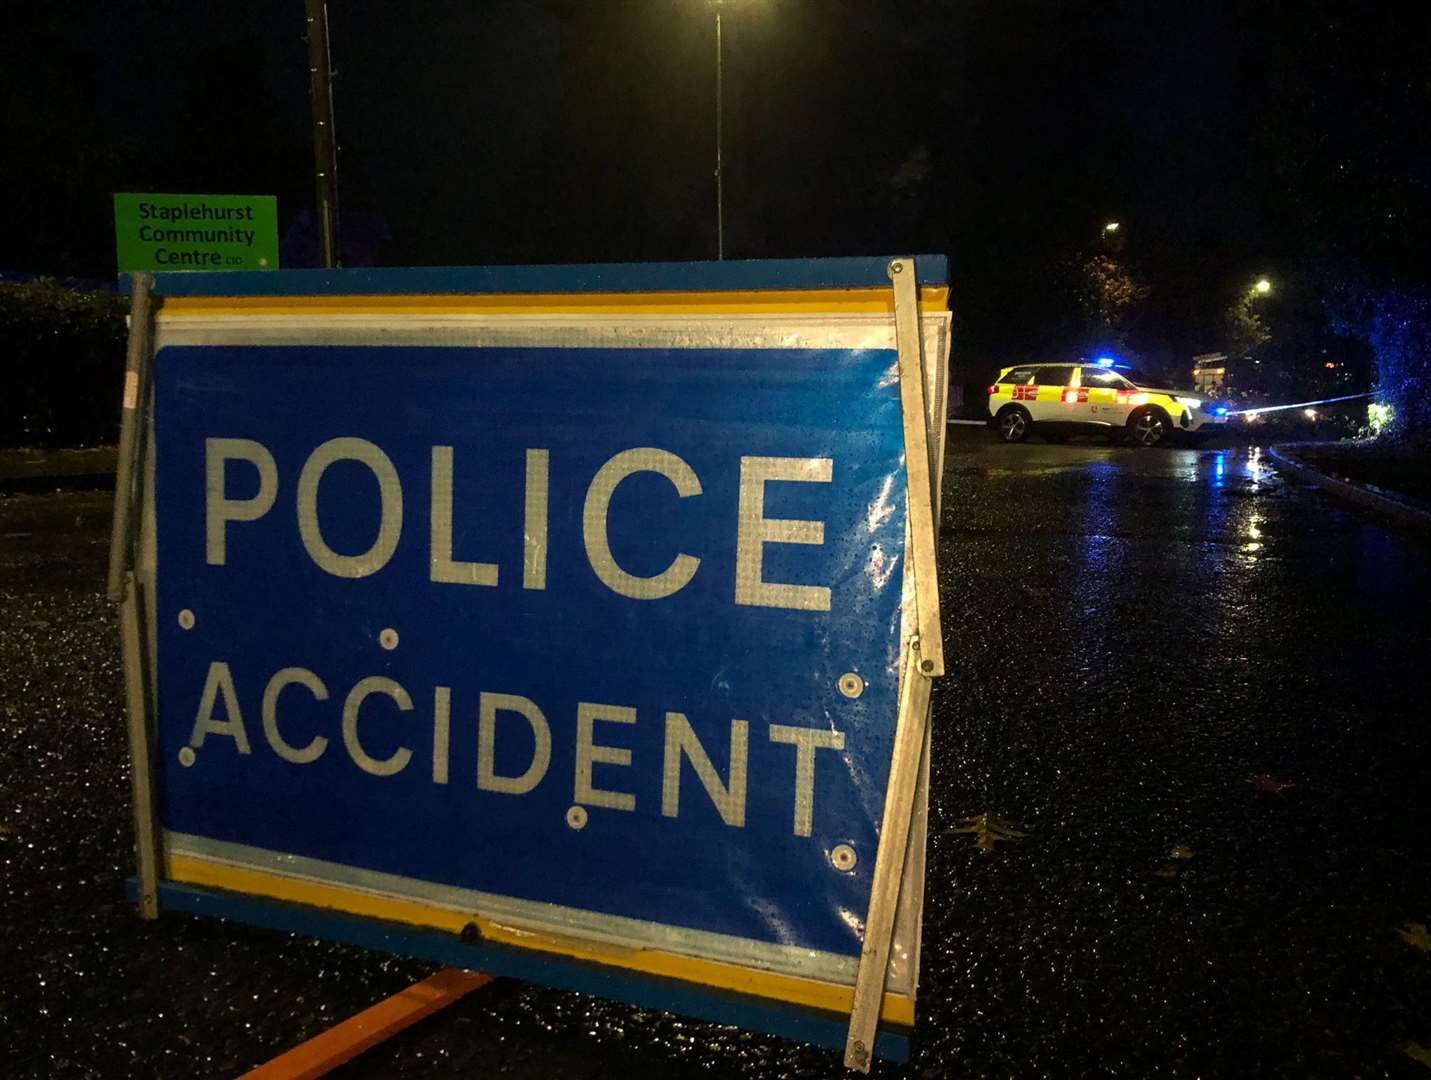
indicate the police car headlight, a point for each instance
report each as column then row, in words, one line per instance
column 1189, row 402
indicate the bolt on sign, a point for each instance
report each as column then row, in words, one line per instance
column 195, row 232
column 568, row 623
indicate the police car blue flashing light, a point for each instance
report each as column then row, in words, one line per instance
column 1105, row 361
column 1220, row 410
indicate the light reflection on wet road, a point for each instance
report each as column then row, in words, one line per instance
column 1201, row 691
column 1196, row 690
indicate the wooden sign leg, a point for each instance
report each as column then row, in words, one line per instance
column 323, row 1053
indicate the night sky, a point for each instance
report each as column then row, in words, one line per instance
column 1228, row 140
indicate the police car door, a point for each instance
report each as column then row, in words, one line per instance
column 1105, row 405
column 1017, row 383
column 1051, row 384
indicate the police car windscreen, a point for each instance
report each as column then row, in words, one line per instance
column 1141, row 378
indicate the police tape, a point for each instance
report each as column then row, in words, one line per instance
column 1299, row 405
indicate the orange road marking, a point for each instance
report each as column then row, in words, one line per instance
column 343, row 1042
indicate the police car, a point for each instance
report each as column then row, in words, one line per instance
column 1059, row 399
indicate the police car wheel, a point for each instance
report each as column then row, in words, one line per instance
column 1013, row 424
column 1148, row 427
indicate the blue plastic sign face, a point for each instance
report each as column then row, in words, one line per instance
column 611, row 629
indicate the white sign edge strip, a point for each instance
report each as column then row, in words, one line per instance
column 844, row 331
column 535, row 916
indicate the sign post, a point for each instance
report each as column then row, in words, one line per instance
column 574, row 624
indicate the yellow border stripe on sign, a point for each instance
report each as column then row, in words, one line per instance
column 773, row 302
column 898, row 1009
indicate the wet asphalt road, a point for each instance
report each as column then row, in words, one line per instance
column 1197, row 690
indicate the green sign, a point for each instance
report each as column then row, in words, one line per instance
column 196, row 232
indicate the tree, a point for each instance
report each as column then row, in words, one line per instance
column 1107, row 295
column 1396, row 324
column 1347, row 172
column 1243, row 328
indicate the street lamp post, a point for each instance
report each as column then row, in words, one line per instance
column 719, row 178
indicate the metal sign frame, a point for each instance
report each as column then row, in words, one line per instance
column 872, row 1026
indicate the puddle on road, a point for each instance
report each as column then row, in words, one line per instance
column 1248, row 465
column 992, row 472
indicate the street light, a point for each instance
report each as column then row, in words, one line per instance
column 1111, row 227
column 1263, row 286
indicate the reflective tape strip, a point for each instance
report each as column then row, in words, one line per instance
column 897, row 1009
column 834, row 301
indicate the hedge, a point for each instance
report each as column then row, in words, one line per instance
column 63, row 349
column 1399, row 332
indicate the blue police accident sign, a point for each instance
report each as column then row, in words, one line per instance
column 567, row 626
column 554, row 622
